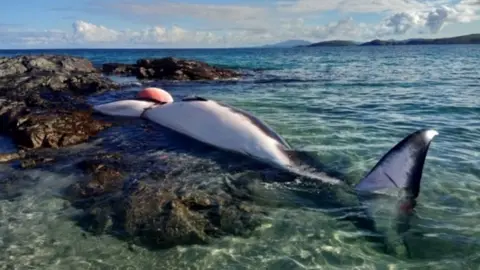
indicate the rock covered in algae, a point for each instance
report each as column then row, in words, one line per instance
column 154, row 211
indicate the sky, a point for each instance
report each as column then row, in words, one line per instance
column 226, row 23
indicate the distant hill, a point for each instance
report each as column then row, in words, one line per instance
column 288, row 44
column 333, row 43
column 466, row 39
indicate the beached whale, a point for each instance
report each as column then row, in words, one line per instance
column 396, row 178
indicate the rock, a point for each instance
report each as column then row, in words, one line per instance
column 86, row 84
column 33, row 129
column 34, row 63
column 156, row 212
column 9, row 111
column 179, row 225
column 22, row 76
column 33, row 162
column 170, row 68
column 117, row 68
column 236, row 220
column 7, row 157
column 43, row 103
column 158, row 219
column 105, row 178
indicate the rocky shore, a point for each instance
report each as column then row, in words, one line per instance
column 170, row 68
column 43, row 110
column 42, row 100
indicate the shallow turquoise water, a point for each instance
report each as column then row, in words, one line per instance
column 350, row 105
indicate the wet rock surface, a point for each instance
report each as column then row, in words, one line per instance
column 170, row 68
column 35, row 129
column 153, row 210
column 42, row 100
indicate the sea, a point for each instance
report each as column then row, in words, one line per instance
column 349, row 105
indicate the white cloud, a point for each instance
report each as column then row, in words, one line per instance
column 431, row 21
column 356, row 6
column 88, row 32
column 244, row 16
column 84, row 32
column 235, row 25
column 343, row 29
column 32, row 37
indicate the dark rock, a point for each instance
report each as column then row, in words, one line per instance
column 117, row 68
column 9, row 111
column 86, row 84
column 43, row 102
column 50, row 63
column 104, row 179
column 114, row 68
column 170, row 68
column 156, row 212
column 22, row 76
column 36, row 129
column 236, row 220
column 33, row 162
column 159, row 219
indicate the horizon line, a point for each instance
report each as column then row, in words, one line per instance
column 264, row 46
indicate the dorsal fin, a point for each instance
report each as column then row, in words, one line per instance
column 402, row 166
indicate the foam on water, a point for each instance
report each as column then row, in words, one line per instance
column 349, row 105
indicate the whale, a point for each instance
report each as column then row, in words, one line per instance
column 394, row 181
column 217, row 124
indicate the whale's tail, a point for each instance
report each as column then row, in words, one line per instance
column 389, row 191
column 401, row 167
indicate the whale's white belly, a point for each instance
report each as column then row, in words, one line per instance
column 223, row 127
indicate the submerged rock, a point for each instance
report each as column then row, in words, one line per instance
column 105, row 179
column 157, row 217
column 170, row 68
column 154, row 211
column 13, row 186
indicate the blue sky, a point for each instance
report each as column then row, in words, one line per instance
column 229, row 23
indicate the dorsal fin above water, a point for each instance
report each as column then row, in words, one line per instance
column 402, row 166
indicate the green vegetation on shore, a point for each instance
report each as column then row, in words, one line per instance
column 465, row 39
column 334, row 43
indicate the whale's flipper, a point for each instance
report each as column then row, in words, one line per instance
column 401, row 167
column 389, row 191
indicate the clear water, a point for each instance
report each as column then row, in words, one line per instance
column 350, row 105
